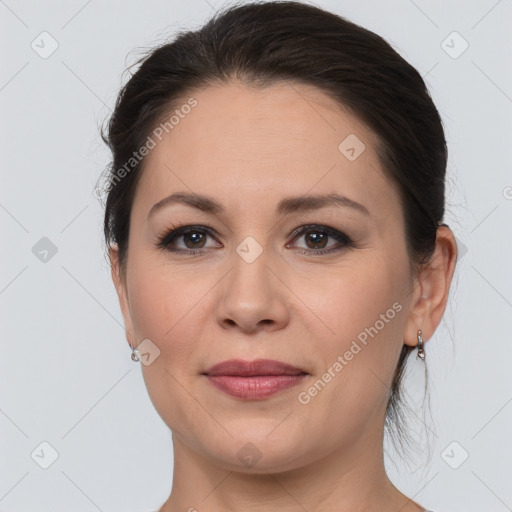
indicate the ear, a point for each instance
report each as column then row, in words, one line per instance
column 122, row 293
column 431, row 287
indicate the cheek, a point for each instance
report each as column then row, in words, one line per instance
column 364, row 313
column 355, row 298
column 356, row 362
column 164, row 304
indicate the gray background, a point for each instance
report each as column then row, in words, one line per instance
column 66, row 374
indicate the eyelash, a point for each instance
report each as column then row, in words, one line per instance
column 174, row 232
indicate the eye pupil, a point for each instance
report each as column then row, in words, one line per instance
column 317, row 238
column 195, row 236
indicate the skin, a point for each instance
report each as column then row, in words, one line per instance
column 248, row 149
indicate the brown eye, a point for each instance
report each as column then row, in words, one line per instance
column 196, row 239
column 192, row 238
column 317, row 239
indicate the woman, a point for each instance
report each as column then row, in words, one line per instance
column 274, row 227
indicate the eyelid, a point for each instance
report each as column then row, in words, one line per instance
column 320, row 227
column 176, row 231
column 338, row 235
column 181, row 229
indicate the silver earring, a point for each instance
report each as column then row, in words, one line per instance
column 421, row 352
column 135, row 355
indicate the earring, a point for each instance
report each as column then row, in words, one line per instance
column 421, row 352
column 135, row 354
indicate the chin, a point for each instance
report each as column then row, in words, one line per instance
column 260, row 453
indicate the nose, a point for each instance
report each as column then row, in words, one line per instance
column 253, row 297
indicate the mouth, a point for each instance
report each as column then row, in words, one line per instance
column 258, row 367
column 254, row 380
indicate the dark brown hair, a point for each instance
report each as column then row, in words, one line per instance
column 261, row 43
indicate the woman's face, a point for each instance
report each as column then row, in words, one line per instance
column 249, row 288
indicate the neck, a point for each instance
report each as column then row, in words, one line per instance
column 352, row 478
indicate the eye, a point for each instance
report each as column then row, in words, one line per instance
column 193, row 238
column 316, row 238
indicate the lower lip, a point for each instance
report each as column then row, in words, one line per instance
column 256, row 387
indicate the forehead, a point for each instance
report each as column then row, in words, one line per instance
column 245, row 144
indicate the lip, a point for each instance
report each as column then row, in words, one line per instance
column 258, row 367
column 256, row 379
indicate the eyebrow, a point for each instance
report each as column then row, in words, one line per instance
column 285, row 206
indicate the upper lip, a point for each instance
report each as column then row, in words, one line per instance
column 238, row 367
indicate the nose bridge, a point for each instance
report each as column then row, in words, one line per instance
column 251, row 293
column 254, row 254
column 250, row 276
